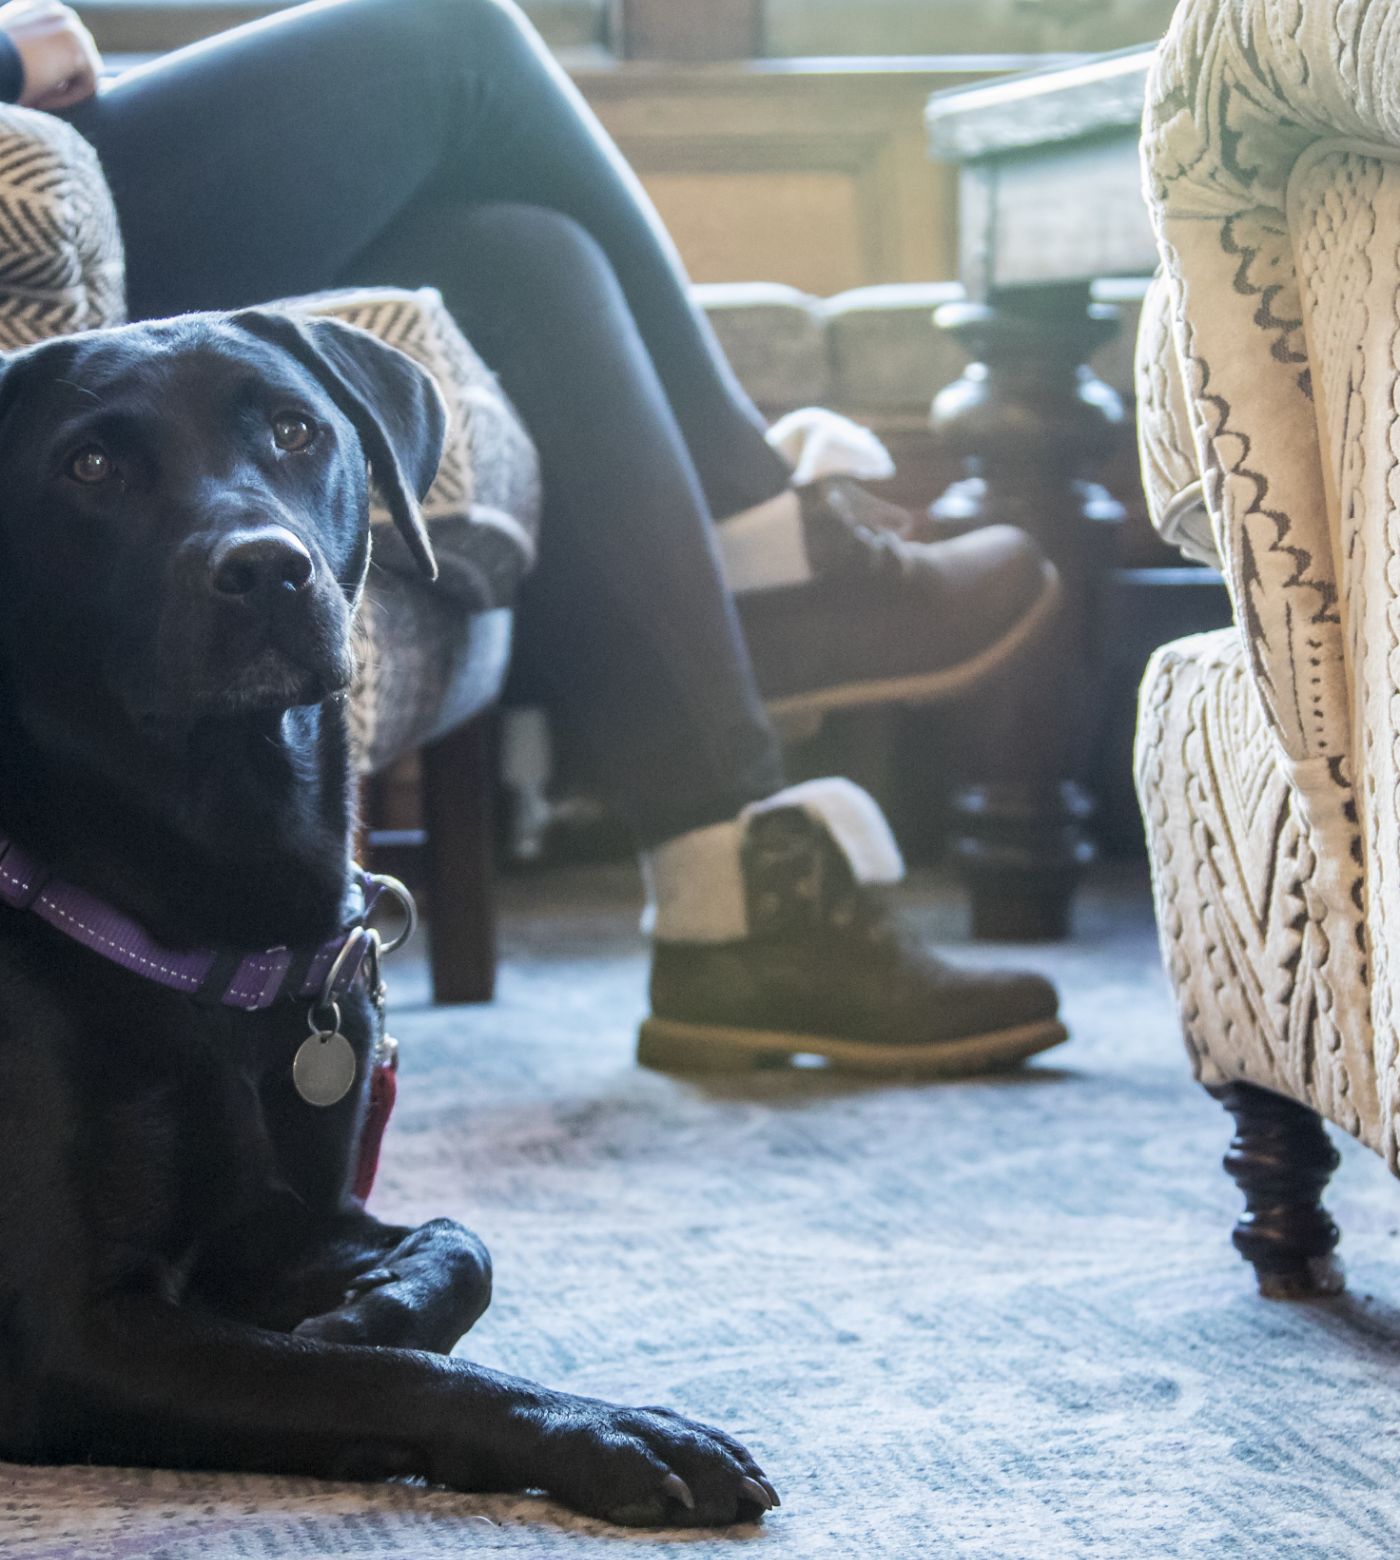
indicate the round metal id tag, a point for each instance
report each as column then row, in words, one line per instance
column 324, row 1067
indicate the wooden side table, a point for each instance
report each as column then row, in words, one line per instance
column 1050, row 202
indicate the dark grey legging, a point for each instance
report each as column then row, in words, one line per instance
column 437, row 142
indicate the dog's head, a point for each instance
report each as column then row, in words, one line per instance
column 184, row 510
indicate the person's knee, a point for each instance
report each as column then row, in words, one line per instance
column 484, row 28
column 530, row 243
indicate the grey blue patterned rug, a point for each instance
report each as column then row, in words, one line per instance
column 997, row 1319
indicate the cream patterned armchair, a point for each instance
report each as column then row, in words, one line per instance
column 1269, row 754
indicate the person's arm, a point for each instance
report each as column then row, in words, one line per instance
column 11, row 70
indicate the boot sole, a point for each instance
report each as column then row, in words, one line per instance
column 669, row 1045
column 928, row 687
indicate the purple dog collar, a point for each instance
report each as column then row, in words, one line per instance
column 240, row 980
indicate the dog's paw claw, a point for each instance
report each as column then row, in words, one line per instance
column 677, row 1489
column 647, row 1469
column 753, row 1491
column 376, row 1278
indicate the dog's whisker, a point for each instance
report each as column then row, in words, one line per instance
column 82, row 390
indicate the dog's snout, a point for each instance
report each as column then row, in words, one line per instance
column 259, row 563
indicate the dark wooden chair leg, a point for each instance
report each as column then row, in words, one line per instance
column 1281, row 1159
column 458, row 787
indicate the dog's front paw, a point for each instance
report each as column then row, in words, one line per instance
column 424, row 1294
column 649, row 1467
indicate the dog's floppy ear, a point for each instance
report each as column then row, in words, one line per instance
column 17, row 370
column 394, row 406
column 11, row 365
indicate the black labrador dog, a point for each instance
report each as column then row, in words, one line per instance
column 186, row 1278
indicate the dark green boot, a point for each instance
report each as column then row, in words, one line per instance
column 793, row 952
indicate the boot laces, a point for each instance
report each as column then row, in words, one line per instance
column 846, row 533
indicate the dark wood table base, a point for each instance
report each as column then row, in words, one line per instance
column 1030, row 423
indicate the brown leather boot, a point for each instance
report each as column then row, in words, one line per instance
column 889, row 620
column 806, row 959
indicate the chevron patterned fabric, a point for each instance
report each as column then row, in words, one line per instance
column 60, row 250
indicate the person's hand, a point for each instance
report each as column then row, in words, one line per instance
column 60, row 59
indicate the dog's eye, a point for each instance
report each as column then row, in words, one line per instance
column 292, row 431
column 90, row 465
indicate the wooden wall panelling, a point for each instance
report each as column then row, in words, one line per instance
column 816, row 178
column 126, row 27
column 690, row 30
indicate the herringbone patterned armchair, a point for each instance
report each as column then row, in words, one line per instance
column 1268, row 758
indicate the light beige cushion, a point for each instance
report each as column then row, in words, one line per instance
column 774, row 338
column 872, row 350
column 886, row 353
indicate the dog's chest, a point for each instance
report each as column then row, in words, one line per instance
column 190, row 1154
column 190, row 1131
column 172, row 1161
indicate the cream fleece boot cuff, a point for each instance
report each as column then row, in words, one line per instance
column 695, row 882
column 819, row 443
column 763, row 548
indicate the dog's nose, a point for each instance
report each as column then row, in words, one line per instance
column 259, row 563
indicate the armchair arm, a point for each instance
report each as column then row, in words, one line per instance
column 1171, row 476
column 483, row 507
column 61, row 264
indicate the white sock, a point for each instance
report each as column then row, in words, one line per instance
column 763, row 548
column 695, row 882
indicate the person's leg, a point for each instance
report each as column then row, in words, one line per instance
column 260, row 164
column 625, row 618
column 767, row 938
column 264, row 164
column 255, row 165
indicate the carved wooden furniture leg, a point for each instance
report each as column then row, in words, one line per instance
column 458, row 786
column 1019, row 833
column 1029, row 422
column 1281, row 1159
